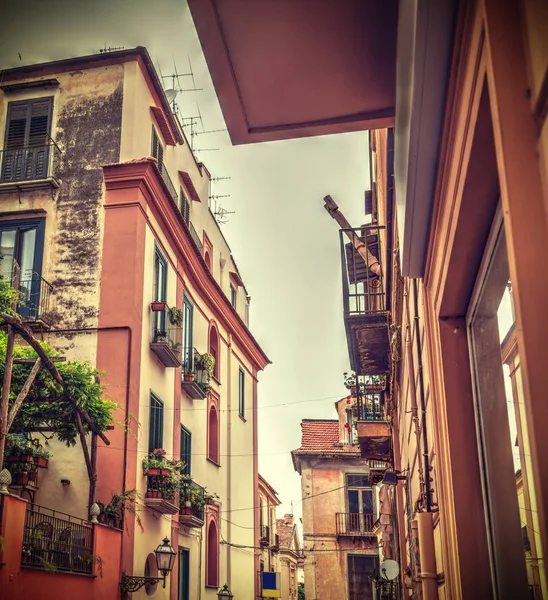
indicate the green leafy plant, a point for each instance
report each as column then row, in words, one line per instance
column 176, row 316
column 112, row 514
column 207, row 364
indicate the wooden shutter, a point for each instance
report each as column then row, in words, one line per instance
column 156, row 424
column 186, row 453
column 185, row 206
column 157, row 149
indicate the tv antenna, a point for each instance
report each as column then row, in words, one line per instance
column 220, row 178
column 221, row 214
column 175, row 78
column 109, row 49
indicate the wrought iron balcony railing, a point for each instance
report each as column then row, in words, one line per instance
column 29, row 163
column 355, row 524
column 195, row 377
column 370, row 406
column 54, row 540
column 265, row 535
column 36, row 297
column 167, row 338
column 167, row 180
column 192, row 503
column 194, row 235
column 362, row 271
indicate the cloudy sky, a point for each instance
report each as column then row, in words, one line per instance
column 284, row 242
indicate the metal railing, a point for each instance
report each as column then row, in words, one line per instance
column 54, row 541
column 370, row 406
column 192, row 498
column 36, row 297
column 166, row 333
column 169, row 184
column 192, row 364
column 265, row 535
column 29, row 163
column 363, row 289
column 354, row 523
column 194, row 235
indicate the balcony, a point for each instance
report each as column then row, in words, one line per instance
column 169, row 184
column 195, row 381
column 264, row 539
column 364, row 300
column 192, row 504
column 194, row 235
column 355, row 524
column 275, row 545
column 54, row 541
column 36, row 305
column 167, row 338
column 373, row 429
column 29, row 168
column 161, row 493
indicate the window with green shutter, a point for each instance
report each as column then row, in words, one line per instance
column 156, row 424
column 241, row 392
column 186, row 450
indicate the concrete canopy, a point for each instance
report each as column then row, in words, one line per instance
column 300, row 68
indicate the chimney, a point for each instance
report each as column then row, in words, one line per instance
column 288, row 519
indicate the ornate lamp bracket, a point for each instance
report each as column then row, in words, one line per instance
column 130, row 583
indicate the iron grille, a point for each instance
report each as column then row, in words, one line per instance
column 363, row 279
column 29, row 163
column 57, row 541
column 194, row 235
column 193, row 497
column 354, row 524
column 36, row 297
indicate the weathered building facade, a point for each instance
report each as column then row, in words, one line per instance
column 460, row 225
column 105, row 210
column 290, row 556
column 268, row 534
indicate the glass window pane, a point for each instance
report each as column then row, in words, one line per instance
column 7, row 250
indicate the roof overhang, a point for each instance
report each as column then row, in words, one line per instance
column 425, row 41
column 295, row 69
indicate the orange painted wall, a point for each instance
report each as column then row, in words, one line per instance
column 17, row 582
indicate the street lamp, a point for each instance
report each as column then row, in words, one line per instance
column 224, row 593
column 165, row 558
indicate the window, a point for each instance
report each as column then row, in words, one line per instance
column 207, row 259
column 188, row 338
column 26, row 149
column 213, row 435
column 214, row 349
column 359, row 568
column 184, row 205
column 156, row 424
column 184, row 574
column 233, row 295
column 157, row 148
column 21, row 245
column 359, row 497
column 241, row 395
column 186, row 450
column 160, row 290
column 212, row 555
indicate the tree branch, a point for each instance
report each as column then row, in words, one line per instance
column 23, row 393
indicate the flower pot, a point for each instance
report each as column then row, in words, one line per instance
column 186, row 510
column 189, row 377
column 209, row 501
column 158, row 306
column 41, row 462
column 154, row 494
column 20, row 479
column 20, row 458
column 156, row 472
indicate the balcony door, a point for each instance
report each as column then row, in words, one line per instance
column 184, row 574
column 21, row 245
column 188, row 338
column 26, row 151
column 359, row 498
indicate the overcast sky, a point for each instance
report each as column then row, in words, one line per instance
column 284, row 242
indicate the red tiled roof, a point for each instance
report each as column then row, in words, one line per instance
column 189, row 186
column 320, row 436
column 284, row 529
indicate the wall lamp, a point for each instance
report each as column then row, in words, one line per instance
column 224, row 593
column 165, row 558
column 392, row 478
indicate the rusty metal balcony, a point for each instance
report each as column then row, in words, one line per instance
column 373, row 429
column 36, row 299
column 355, row 524
column 364, row 300
column 30, row 167
column 195, row 381
column 167, row 338
column 192, row 504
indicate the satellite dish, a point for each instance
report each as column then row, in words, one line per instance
column 171, row 94
column 389, row 569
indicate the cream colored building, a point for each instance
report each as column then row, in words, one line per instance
column 97, row 168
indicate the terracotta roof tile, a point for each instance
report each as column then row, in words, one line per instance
column 284, row 529
column 322, row 436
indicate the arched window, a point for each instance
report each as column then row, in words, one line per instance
column 207, row 259
column 213, row 435
column 212, row 555
column 214, row 349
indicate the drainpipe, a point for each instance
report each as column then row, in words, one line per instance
column 200, row 536
column 425, row 527
column 229, row 461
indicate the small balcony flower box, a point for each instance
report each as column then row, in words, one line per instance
column 158, row 306
column 154, row 494
column 26, row 479
column 20, row 458
column 156, row 472
column 41, row 462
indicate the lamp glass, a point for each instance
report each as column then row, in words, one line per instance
column 224, row 592
column 165, row 556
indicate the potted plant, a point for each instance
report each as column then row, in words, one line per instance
column 176, row 316
column 210, row 498
column 189, row 375
column 19, row 451
column 41, row 458
column 21, row 473
column 158, row 305
column 154, row 464
column 112, row 514
column 160, row 337
column 207, row 364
